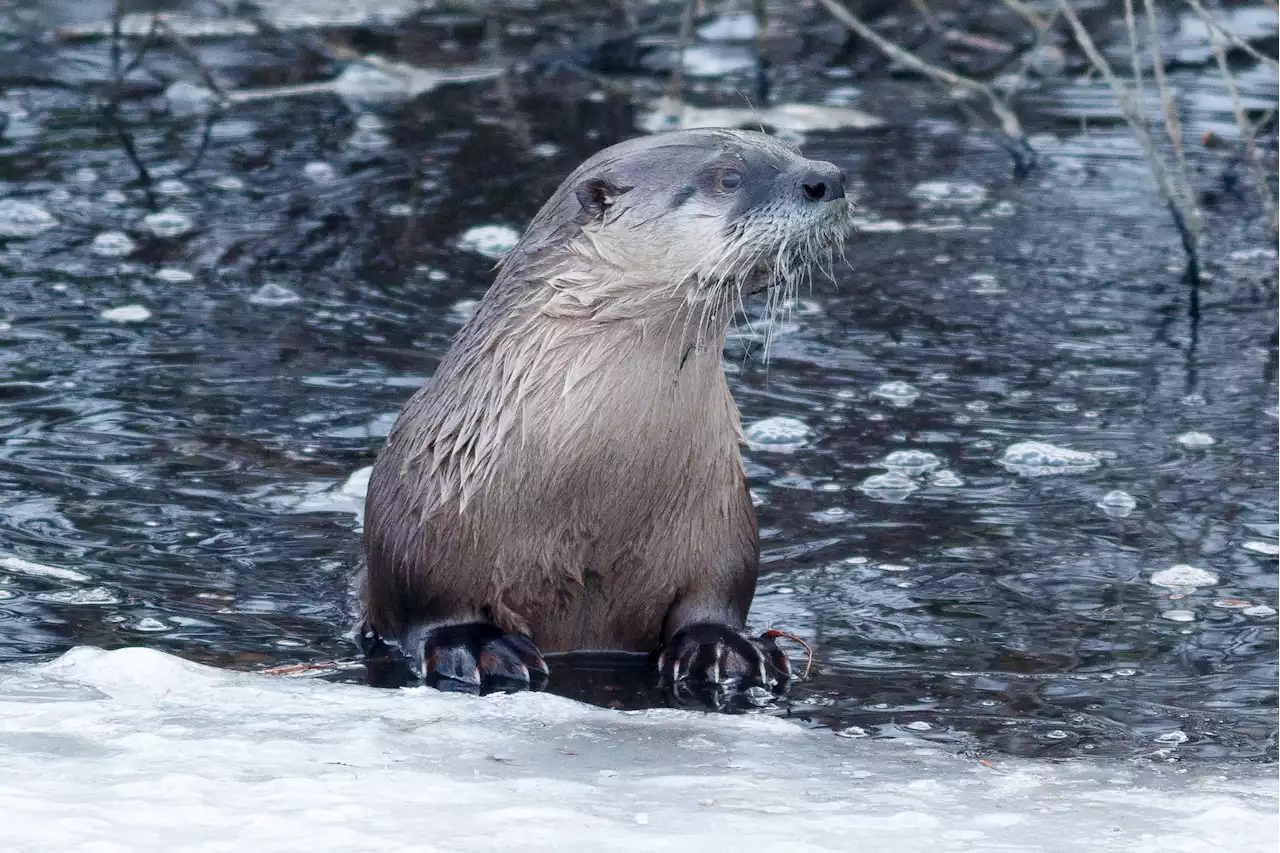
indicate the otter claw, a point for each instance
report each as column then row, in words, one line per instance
column 714, row 655
column 477, row 657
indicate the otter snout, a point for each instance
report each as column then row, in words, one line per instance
column 822, row 181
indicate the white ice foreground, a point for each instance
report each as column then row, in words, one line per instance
column 135, row 751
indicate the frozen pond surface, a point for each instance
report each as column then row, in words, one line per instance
column 138, row 751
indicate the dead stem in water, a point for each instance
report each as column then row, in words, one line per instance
column 1185, row 216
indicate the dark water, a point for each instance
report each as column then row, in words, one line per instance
column 181, row 474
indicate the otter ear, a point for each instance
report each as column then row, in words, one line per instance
column 597, row 195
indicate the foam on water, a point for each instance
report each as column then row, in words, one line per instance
column 946, row 479
column 777, row 433
column 365, row 139
column 793, row 119
column 27, row 567
column 1271, row 549
column 492, row 241
column 168, row 223
column 1179, row 615
column 126, row 314
column 463, row 310
column 112, row 244
column 175, row 275
column 24, row 218
column 1196, row 439
column 187, row 99
column 911, row 462
column 717, row 60
column 319, row 171
column 949, row 193
column 272, row 294
column 172, row 187
column 892, row 487
column 900, row 394
column 1038, row 459
column 93, row 595
column 137, row 750
column 1117, row 504
column 1183, row 575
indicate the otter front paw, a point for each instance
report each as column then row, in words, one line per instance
column 476, row 657
column 710, row 654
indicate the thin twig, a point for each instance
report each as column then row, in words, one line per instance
column 291, row 670
column 1173, row 127
column 1135, row 57
column 1172, row 124
column 774, row 634
column 1023, row 154
column 111, row 110
column 760, row 8
column 675, row 87
column 1184, row 216
column 117, row 14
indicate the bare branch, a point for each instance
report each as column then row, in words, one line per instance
column 1185, row 216
column 1172, row 124
column 1135, row 56
column 1009, row 124
column 1212, row 24
column 675, row 87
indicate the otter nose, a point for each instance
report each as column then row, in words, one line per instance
column 822, row 182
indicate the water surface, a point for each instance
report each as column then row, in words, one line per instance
column 182, row 397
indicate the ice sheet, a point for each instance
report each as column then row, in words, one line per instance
column 135, row 750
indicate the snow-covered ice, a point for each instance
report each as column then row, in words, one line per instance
column 135, row 750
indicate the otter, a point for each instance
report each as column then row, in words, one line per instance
column 570, row 478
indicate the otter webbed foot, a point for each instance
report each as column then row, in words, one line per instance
column 476, row 657
column 712, row 658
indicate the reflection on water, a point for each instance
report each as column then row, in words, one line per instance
column 1007, row 489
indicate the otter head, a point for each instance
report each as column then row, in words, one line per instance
column 693, row 217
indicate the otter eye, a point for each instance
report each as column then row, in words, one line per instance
column 731, row 179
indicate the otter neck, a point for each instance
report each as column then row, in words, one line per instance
column 554, row 375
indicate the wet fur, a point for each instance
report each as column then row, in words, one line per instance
column 571, row 471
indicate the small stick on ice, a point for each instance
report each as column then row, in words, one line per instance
column 774, row 634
